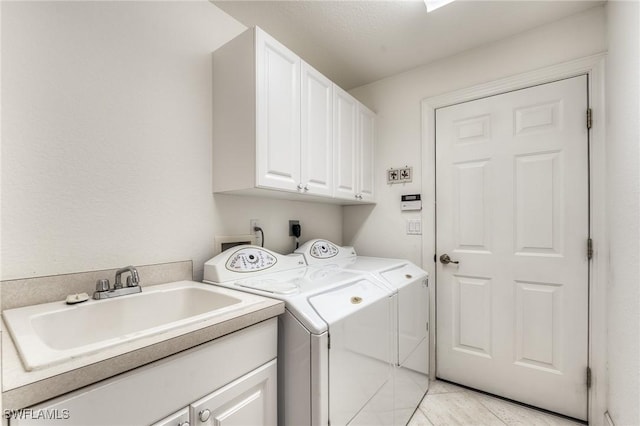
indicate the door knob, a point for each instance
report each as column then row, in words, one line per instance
column 445, row 259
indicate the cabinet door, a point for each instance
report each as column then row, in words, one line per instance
column 277, row 115
column 181, row 418
column 366, row 140
column 316, row 132
column 250, row 400
column 345, row 113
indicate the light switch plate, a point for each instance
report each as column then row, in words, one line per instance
column 414, row 227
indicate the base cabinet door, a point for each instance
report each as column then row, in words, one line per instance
column 181, row 418
column 249, row 400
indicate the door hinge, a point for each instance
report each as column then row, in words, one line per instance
column 589, row 248
column 588, row 377
column 589, row 118
column 427, row 326
column 328, row 341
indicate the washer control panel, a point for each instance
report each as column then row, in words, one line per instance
column 323, row 249
column 250, row 259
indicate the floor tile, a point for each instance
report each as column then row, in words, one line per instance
column 438, row 386
column 457, row 408
column 419, row 419
column 515, row 414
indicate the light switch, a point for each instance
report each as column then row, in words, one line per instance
column 414, row 227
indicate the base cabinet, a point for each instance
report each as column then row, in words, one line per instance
column 250, row 400
column 228, row 381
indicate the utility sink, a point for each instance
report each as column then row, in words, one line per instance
column 53, row 333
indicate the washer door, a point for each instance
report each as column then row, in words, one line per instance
column 360, row 355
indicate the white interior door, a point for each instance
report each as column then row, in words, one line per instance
column 512, row 209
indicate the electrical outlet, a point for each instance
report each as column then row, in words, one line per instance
column 291, row 223
column 252, row 225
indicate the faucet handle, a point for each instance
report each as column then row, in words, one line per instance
column 102, row 285
column 130, row 282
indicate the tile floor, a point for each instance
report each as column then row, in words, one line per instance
column 448, row 404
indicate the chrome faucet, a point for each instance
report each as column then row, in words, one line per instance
column 132, row 280
column 103, row 290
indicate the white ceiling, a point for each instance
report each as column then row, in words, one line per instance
column 358, row 42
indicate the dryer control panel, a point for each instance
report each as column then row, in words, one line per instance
column 323, row 249
column 250, row 260
column 322, row 252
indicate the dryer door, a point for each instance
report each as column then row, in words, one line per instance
column 360, row 355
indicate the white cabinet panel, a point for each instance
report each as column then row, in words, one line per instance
column 366, row 139
column 354, row 136
column 250, row 400
column 317, row 132
column 181, row 418
column 345, row 113
column 278, row 114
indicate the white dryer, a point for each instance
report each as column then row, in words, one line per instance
column 411, row 313
column 336, row 337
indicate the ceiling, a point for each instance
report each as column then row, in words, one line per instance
column 358, row 42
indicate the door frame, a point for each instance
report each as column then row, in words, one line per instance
column 594, row 67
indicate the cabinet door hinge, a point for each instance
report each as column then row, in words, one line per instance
column 589, row 118
column 589, row 248
column 427, row 326
column 328, row 341
column 588, row 377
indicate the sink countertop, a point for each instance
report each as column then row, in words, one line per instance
column 21, row 388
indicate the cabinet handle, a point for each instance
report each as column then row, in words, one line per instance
column 184, row 424
column 204, row 415
column 306, row 188
column 299, row 187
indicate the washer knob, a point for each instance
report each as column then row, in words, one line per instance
column 204, row 415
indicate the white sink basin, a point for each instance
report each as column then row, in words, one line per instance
column 52, row 333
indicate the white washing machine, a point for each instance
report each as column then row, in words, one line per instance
column 336, row 337
column 411, row 313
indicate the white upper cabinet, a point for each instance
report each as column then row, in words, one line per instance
column 366, row 138
column 277, row 114
column 275, row 124
column 317, row 132
column 345, row 113
column 354, row 135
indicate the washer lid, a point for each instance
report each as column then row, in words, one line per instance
column 335, row 305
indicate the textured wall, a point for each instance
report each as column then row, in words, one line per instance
column 623, row 161
column 106, row 139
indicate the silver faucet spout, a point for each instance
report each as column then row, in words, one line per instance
column 135, row 278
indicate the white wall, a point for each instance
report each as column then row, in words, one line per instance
column 381, row 230
column 623, row 161
column 106, row 140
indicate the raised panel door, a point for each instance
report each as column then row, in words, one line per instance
column 345, row 129
column 366, row 140
column 250, row 400
column 277, row 115
column 512, row 209
column 317, row 132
